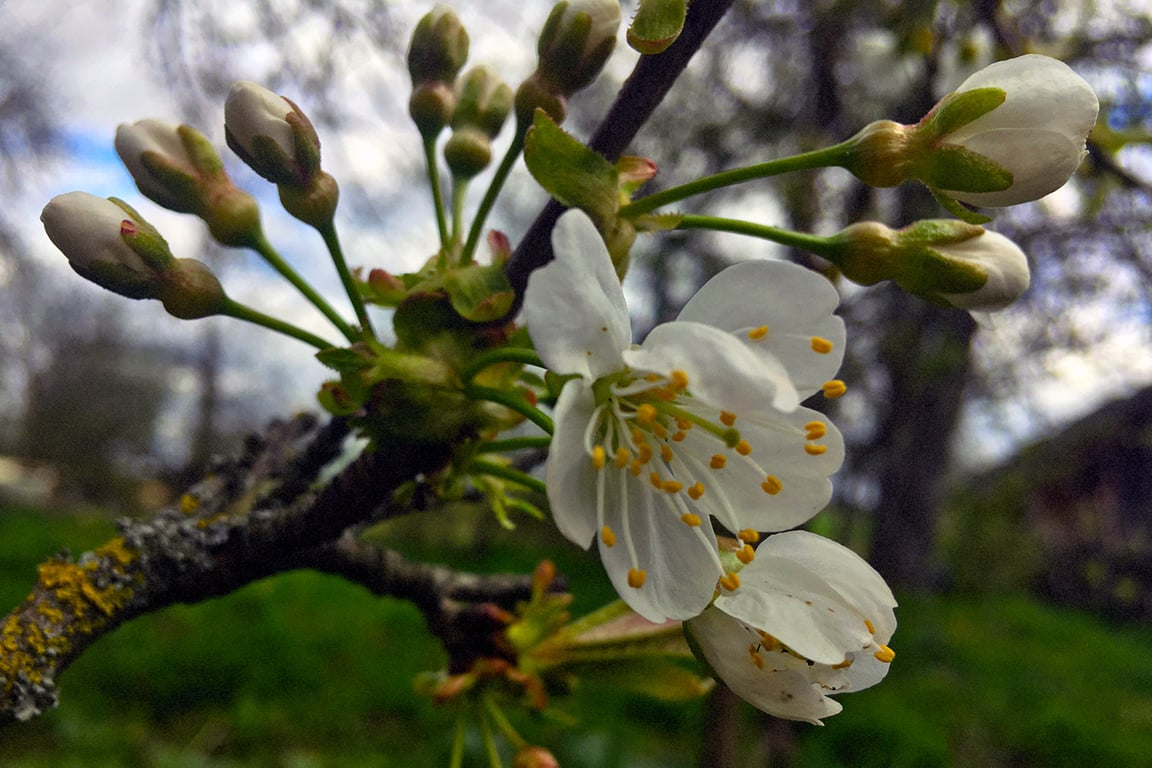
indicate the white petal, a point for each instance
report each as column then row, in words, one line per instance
column 785, row 693
column 843, row 570
column 1040, row 162
column 680, row 561
column 795, row 303
column 721, row 370
column 570, row 475
column 797, row 606
column 734, row 495
column 574, row 306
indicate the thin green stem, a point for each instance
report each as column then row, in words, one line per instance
column 503, row 724
column 821, row 246
column 459, row 192
column 514, row 444
column 495, row 356
column 242, row 312
column 328, row 232
column 270, row 255
column 820, row 158
column 510, row 158
column 513, row 401
column 457, row 758
column 433, row 169
column 490, row 747
column 504, row 472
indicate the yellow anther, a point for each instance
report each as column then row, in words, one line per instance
column 746, row 554
column 646, row 413
column 758, row 333
column 696, row 491
column 683, row 424
column 636, row 578
column 885, row 654
column 656, row 480
column 598, row 457
column 718, row 461
column 743, row 448
column 727, row 419
column 679, row 436
column 814, row 449
column 834, row 389
column 189, row 503
column 659, row 430
column 844, row 664
column 772, row 485
column 755, row 656
column 690, row 520
column 871, row 627
column 749, row 536
column 666, row 452
column 679, row 380
column 635, row 467
column 821, row 346
column 622, row 457
column 814, row 430
column 608, row 536
column 672, row 486
column 644, row 454
column 652, row 378
column 730, row 581
column 768, row 642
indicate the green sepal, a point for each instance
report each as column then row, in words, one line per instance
column 571, row 172
column 656, row 25
column 479, row 292
column 951, row 166
column 958, row 110
column 661, row 679
column 343, row 359
column 958, row 210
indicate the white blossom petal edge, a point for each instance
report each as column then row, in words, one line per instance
column 701, row 419
column 811, row 619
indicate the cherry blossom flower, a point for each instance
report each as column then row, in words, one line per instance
column 811, row 619
column 701, row 420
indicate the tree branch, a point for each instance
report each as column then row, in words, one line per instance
column 249, row 518
column 641, row 93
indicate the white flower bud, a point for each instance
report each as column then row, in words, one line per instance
column 163, row 141
column 271, row 135
column 576, row 41
column 999, row 258
column 97, row 235
column 1037, row 134
column 252, row 110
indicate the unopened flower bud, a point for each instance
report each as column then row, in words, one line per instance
column 939, row 259
column 1012, row 132
column 177, row 167
column 431, row 106
column 576, row 41
column 483, row 101
column 534, row 757
column 271, row 135
column 534, row 93
column 467, row 152
column 438, row 49
column 107, row 242
column 191, row 291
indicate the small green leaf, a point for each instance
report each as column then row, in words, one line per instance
column 657, row 24
column 342, row 359
column 569, row 171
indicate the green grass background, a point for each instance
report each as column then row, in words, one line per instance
column 306, row 670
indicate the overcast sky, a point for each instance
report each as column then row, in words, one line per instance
column 94, row 56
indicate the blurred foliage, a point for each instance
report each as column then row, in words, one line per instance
column 306, row 670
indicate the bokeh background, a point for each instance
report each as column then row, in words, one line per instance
column 999, row 477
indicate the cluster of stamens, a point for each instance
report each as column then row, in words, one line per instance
column 766, row 643
column 637, row 428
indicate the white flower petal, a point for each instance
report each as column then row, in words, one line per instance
column 570, row 476
column 795, row 304
column 782, row 693
column 574, row 306
column 798, row 607
column 679, row 561
column 721, row 370
column 846, row 572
